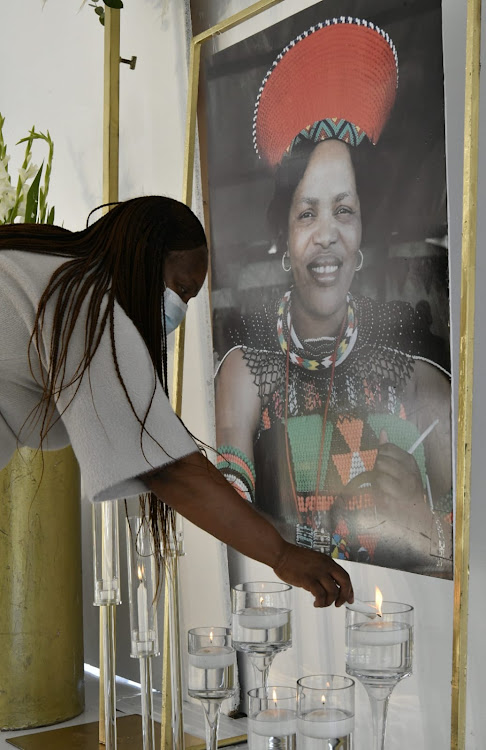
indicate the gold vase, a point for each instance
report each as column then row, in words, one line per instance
column 41, row 624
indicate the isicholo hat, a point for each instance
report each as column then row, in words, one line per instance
column 336, row 80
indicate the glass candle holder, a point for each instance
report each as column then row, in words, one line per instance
column 106, row 567
column 379, row 655
column 106, row 553
column 142, row 587
column 212, row 674
column 272, row 718
column 261, row 613
column 325, row 712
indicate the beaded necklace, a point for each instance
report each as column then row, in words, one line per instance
column 334, row 362
column 343, row 347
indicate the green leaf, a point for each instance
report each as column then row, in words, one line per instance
column 32, row 200
column 99, row 11
column 50, row 216
column 117, row 4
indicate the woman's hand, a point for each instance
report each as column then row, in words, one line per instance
column 317, row 573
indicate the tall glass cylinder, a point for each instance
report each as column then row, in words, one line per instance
column 106, row 553
column 106, row 569
column 142, row 589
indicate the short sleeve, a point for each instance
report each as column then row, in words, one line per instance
column 103, row 427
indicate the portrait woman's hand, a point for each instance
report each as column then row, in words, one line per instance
column 401, row 508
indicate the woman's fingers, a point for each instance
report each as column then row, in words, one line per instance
column 317, row 573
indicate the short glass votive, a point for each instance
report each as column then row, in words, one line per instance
column 325, row 712
column 142, row 588
column 106, row 553
column 272, row 718
column 212, row 663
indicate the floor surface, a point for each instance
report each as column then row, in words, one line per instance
column 128, row 702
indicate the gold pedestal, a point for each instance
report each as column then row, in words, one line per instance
column 41, row 627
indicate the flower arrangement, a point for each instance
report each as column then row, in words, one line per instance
column 25, row 201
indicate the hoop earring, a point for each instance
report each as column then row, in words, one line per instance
column 361, row 259
column 286, row 256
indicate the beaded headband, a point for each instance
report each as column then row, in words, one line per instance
column 338, row 79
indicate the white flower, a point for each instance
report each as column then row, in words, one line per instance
column 27, row 174
column 7, row 199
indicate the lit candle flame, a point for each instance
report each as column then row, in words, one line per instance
column 323, row 700
column 274, row 696
column 211, row 636
column 140, row 572
column 379, row 601
column 261, row 601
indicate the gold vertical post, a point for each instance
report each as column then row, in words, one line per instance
column 466, row 358
column 111, row 105
column 111, row 120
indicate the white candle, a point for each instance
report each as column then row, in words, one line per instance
column 273, row 722
column 378, row 633
column 107, row 542
column 263, row 618
column 365, row 609
column 213, row 657
column 326, row 723
column 142, row 607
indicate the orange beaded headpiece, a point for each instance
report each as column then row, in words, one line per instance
column 336, row 80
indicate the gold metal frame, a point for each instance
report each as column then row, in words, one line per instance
column 466, row 358
column 464, row 434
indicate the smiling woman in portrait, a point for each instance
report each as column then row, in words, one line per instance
column 323, row 402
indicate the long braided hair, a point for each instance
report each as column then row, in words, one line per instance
column 119, row 258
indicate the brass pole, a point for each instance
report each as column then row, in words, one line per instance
column 466, row 359
column 111, row 119
column 111, row 105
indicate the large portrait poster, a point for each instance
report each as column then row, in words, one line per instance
column 329, row 287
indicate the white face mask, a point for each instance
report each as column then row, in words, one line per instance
column 175, row 310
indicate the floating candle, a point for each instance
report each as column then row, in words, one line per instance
column 263, row 618
column 378, row 633
column 213, row 657
column 273, row 722
column 326, row 723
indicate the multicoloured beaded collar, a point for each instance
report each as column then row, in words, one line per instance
column 287, row 335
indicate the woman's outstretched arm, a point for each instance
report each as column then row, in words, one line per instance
column 198, row 491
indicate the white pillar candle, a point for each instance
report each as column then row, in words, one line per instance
column 107, row 542
column 326, row 723
column 263, row 618
column 273, row 722
column 378, row 633
column 212, row 657
column 142, row 608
